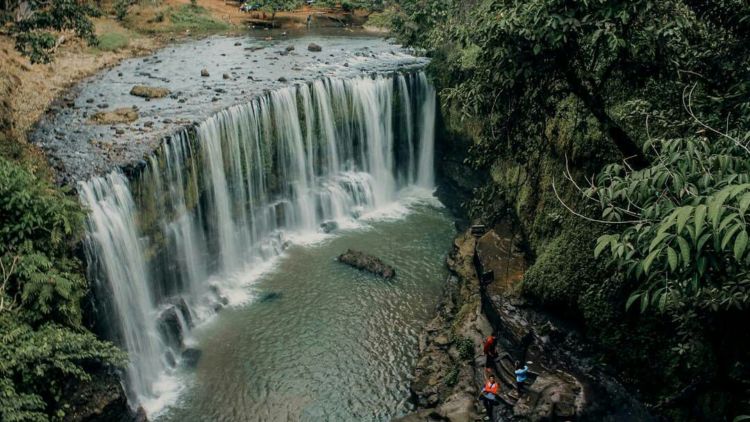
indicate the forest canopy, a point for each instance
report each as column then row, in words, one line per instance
column 665, row 84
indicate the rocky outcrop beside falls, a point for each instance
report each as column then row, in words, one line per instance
column 565, row 383
column 369, row 263
column 100, row 400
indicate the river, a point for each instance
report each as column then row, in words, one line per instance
column 319, row 340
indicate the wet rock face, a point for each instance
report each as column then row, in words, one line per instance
column 190, row 357
column 369, row 263
column 329, row 226
column 119, row 115
column 100, row 400
column 550, row 397
column 174, row 320
column 562, row 385
column 144, row 91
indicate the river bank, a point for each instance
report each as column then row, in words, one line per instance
column 29, row 90
column 566, row 383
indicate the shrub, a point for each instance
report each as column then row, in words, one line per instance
column 33, row 37
column 42, row 342
column 465, row 348
column 121, row 9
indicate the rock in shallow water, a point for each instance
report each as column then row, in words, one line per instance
column 120, row 115
column 314, row 47
column 329, row 226
column 190, row 357
column 368, row 263
column 144, row 91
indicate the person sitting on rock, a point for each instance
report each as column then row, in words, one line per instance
column 488, row 396
column 490, row 352
column 521, row 375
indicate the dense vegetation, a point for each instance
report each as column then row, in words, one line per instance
column 616, row 134
column 44, row 348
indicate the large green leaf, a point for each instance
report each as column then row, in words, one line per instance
column 739, row 245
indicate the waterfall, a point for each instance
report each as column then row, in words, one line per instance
column 426, row 175
column 113, row 244
column 233, row 190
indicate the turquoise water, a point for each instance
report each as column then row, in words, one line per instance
column 322, row 341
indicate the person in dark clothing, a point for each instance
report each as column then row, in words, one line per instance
column 488, row 396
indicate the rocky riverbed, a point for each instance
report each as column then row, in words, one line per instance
column 122, row 115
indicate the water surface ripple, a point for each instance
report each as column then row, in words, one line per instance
column 335, row 344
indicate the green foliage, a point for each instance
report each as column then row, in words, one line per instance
column 42, row 343
column 37, row 364
column 465, row 347
column 195, row 18
column 541, row 85
column 113, row 41
column 452, row 378
column 565, row 268
column 33, row 36
column 121, row 9
column 687, row 237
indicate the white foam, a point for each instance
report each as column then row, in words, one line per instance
column 167, row 389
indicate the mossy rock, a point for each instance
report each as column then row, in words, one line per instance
column 119, row 115
column 149, row 91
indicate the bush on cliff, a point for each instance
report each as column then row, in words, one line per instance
column 42, row 341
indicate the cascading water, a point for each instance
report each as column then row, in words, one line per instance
column 228, row 194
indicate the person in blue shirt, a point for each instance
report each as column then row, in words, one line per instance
column 521, row 375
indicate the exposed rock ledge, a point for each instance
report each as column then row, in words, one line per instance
column 365, row 262
column 100, row 400
column 565, row 383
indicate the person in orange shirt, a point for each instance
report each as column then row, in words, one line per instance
column 488, row 397
column 490, row 352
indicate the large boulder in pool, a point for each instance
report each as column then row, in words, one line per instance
column 365, row 262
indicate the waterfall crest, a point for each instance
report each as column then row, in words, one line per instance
column 228, row 194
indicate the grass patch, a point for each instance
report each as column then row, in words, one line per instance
column 452, row 378
column 112, row 41
column 195, row 18
column 381, row 20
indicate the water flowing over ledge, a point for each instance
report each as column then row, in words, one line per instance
column 226, row 196
column 239, row 68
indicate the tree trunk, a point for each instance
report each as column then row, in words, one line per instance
column 631, row 152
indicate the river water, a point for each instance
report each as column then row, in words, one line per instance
column 320, row 340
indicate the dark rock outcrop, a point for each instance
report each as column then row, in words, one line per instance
column 270, row 297
column 329, row 226
column 174, row 320
column 191, row 356
column 362, row 261
column 100, row 400
column 314, row 47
